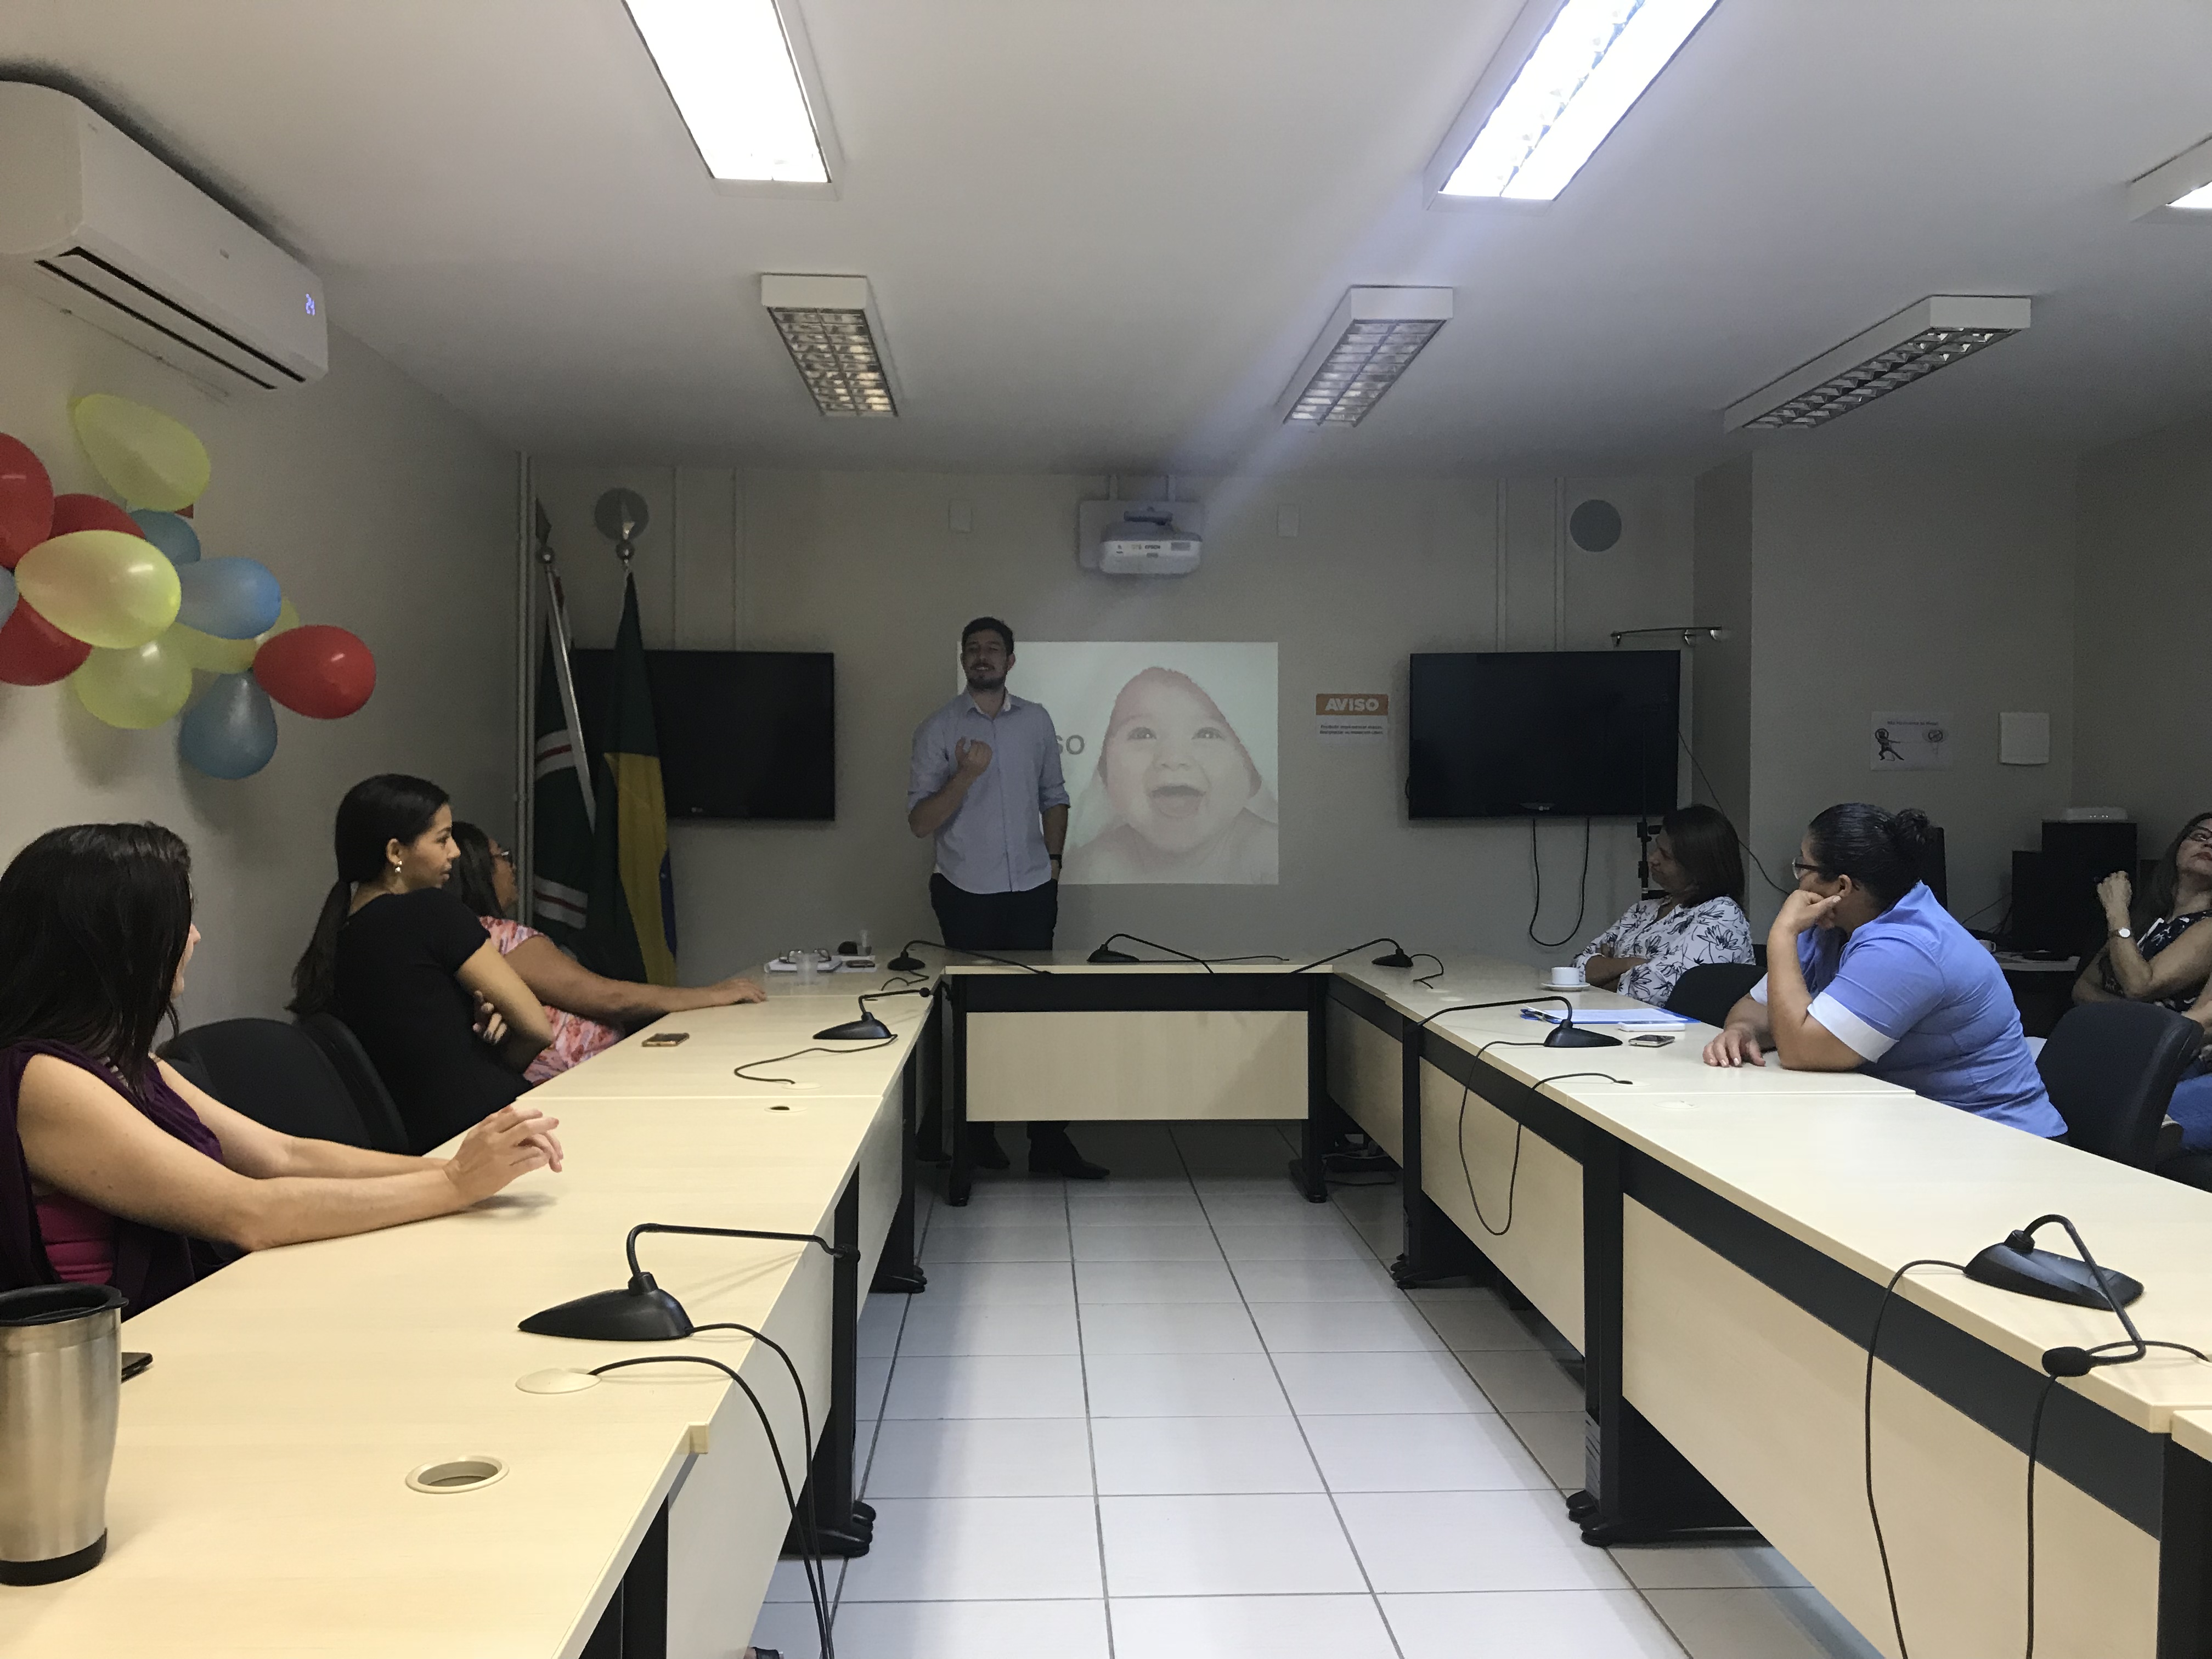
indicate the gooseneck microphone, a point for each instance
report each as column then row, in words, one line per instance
column 907, row 962
column 867, row 1028
column 641, row 1311
column 1565, row 1034
column 1107, row 953
column 1395, row 957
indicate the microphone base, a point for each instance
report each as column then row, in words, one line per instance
column 1102, row 954
column 904, row 964
column 2047, row 1275
column 640, row 1312
column 866, row 1029
column 1394, row 959
column 1579, row 1037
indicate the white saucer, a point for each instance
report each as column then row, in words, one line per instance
column 1580, row 985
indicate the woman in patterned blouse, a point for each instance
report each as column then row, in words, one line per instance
column 2153, row 951
column 1695, row 859
column 588, row 1012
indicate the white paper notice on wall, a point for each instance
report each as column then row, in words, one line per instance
column 1911, row 743
column 1352, row 716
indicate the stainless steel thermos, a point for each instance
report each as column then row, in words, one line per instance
column 60, row 1378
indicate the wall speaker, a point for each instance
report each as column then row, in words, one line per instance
column 1594, row 525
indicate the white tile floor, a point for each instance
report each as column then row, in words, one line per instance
column 1185, row 1414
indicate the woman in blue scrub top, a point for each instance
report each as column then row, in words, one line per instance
column 1866, row 972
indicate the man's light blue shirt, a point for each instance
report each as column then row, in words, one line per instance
column 994, row 843
column 1924, row 1006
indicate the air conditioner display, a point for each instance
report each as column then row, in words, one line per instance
column 1169, row 753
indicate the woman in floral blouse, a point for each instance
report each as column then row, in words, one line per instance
column 1695, row 859
column 589, row 1013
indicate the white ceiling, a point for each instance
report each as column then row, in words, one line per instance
column 1102, row 233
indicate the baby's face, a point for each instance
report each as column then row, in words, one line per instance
column 1173, row 769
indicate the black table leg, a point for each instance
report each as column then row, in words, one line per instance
column 1640, row 1489
column 1435, row 1246
column 897, row 1272
column 1308, row 1173
column 636, row 1624
column 840, row 1528
column 955, row 1013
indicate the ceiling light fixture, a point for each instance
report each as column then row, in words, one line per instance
column 1910, row 346
column 1371, row 340
column 829, row 325
column 743, row 79
column 2184, row 184
column 1593, row 62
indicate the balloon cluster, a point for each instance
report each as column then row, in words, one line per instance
column 122, row 605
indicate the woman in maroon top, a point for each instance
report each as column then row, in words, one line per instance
column 112, row 1165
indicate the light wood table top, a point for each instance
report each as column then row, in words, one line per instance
column 258, row 1502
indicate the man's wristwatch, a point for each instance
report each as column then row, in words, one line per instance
column 2123, row 932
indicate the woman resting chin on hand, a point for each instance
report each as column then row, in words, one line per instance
column 111, row 1163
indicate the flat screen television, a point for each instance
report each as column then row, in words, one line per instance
column 1518, row 734
column 744, row 734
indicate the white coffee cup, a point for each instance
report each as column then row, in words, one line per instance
column 1566, row 978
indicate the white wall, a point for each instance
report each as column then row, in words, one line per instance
column 864, row 564
column 380, row 509
column 2143, row 680
column 1909, row 581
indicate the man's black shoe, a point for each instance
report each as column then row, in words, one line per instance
column 1057, row 1156
column 984, row 1150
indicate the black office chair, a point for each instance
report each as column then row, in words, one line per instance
column 2111, row 1068
column 388, row 1131
column 1707, row 992
column 275, row 1075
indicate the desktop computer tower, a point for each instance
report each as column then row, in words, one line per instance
column 2054, row 891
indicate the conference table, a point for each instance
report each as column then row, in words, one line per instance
column 1716, row 1244
column 260, row 1499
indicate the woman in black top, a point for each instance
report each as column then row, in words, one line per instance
column 449, row 1026
column 2154, row 950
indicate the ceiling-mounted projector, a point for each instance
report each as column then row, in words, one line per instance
column 1140, row 538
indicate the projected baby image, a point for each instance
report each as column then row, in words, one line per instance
column 1168, row 749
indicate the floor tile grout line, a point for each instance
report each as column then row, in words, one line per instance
column 1274, row 1370
column 1090, row 1434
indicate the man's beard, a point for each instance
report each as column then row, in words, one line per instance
column 986, row 679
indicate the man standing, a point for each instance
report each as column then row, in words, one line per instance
column 985, row 782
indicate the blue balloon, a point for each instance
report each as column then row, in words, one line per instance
column 231, row 733
column 170, row 531
column 7, row 596
column 230, row 599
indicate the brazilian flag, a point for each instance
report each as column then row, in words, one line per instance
column 630, row 932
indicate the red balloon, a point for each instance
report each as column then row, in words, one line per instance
column 322, row 672
column 27, row 501
column 34, row 652
column 91, row 513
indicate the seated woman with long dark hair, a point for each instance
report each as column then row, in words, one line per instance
column 111, row 1163
column 1697, row 862
column 1866, row 972
column 447, row 1023
column 588, row 1012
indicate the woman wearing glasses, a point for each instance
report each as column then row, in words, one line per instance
column 588, row 1012
column 2153, row 951
column 1866, row 972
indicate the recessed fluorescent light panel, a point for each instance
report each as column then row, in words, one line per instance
column 1910, row 346
column 2183, row 184
column 829, row 325
column 1371, row 340
column 734, row 68
column 1591, row 66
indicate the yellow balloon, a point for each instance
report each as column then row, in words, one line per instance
column 101, row 586
column 136, row 688
column 147, row 458
column 208, row 654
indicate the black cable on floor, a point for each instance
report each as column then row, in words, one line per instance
column 1582, row 905
column 809, row 1564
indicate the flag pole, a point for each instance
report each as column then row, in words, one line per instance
column 556, row 624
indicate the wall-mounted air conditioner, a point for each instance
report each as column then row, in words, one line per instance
column 93, row 222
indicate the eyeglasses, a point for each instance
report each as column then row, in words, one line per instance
column 1804, row 869
column 2201, row 835
column 502, row 855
